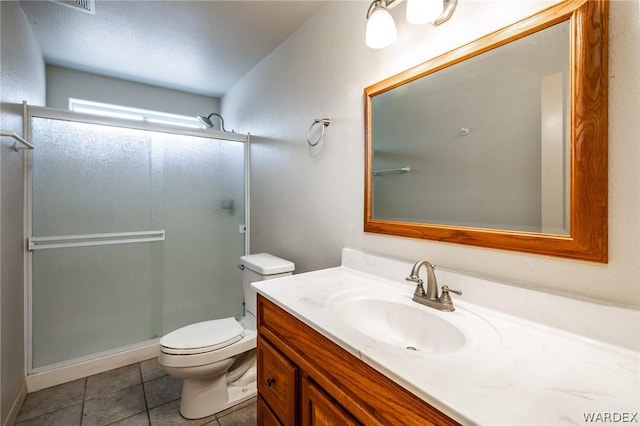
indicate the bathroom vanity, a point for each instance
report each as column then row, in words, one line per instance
column 305, row 379
column 347, row 345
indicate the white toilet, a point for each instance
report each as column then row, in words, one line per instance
column 217, row 359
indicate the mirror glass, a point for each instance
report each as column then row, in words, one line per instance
column 482, row 143
column 499, row 143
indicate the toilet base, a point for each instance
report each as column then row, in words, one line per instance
column 202, row 398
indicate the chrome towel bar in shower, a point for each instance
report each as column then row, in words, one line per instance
column 25, row 144
column 67, row 241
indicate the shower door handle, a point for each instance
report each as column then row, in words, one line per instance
column 84, row 240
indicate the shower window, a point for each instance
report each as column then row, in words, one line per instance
column 164, row 215
column 129, row 113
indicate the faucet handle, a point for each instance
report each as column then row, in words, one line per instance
column 445, row 299
column 416, row 279
column 419, row 288
column 446, row 290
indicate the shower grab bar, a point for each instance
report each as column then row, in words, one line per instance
column 40, row 243
column 18, row 139
column 391, row 171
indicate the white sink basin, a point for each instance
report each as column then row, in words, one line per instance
column 394, row 319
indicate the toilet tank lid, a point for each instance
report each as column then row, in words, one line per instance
column 267, row 264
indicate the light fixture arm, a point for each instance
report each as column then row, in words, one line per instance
column 387, row 4
column 381, row 29
column 449, row 7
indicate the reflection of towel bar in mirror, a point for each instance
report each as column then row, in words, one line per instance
column 392, row 171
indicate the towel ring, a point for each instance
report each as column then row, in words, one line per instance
column 325, row 123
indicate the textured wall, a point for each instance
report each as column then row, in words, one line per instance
column 308, row 203
column 22, row 79
column 65, row 83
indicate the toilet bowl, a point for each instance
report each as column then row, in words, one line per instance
column 209, row 356
column 216, row 359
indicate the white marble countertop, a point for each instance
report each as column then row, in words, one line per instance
column 512, row 371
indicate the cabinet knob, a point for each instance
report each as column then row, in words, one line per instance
column 271, row 381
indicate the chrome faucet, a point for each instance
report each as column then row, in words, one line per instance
column 430, row 296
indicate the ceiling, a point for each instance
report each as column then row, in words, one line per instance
column 202, row 46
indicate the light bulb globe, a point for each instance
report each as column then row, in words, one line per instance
column 381, row 30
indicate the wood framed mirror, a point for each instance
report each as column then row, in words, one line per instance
column 463, row 173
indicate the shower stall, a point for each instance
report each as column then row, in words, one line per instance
column 134, row 229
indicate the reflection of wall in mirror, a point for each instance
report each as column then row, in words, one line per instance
column 554, row 197
column 492, row 176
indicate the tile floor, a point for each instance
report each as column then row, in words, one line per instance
column 135, row 395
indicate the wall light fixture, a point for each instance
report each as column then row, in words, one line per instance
column 381, row 29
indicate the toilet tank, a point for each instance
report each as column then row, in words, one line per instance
column 260, row 267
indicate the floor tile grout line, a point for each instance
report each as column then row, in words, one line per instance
column 121, row 390
column 64, row 405
column 84, row 396
column 144, row 393
column 85, row 388
column 111, row 391
column 129, row 417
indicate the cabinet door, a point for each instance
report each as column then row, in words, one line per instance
column 265, row 415
column 319, row 410
column 277, row 382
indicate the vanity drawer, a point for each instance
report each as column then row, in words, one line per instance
column 277, row 379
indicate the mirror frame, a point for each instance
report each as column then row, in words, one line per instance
column 588, row 239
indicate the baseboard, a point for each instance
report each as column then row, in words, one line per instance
column 79, row 370
column 17, row 404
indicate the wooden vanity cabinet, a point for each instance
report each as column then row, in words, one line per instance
column 277, row 382
column 265, row 415
column 318, row 409
column 306, row 379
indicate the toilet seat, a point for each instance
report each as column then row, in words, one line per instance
column 202, row 337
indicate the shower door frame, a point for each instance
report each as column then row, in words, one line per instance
column 31, row 111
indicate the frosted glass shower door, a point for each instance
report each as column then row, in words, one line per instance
column 203, row 212
column 92, row 179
